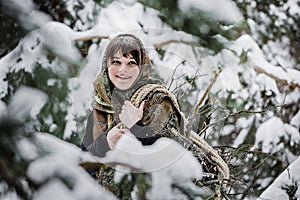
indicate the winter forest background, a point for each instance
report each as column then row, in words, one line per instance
column 50, row 54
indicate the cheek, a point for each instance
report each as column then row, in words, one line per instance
column 136, row 72
column 112, row 71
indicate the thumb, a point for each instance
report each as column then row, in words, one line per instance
column 141, row 108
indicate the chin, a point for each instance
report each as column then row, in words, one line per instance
column 123, row 88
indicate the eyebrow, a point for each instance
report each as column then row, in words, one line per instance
column 130, row 57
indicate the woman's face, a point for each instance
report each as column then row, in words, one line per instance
column 123, row 71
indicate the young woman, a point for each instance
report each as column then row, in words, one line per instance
column 127, row 99
column 125, row 71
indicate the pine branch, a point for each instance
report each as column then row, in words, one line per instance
column 90, row 165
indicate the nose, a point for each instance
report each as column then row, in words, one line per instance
column 123, row 68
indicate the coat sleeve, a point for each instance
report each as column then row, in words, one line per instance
column 94, row 139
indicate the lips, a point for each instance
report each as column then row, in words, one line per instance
column 123, row 77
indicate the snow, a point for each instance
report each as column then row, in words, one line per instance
column 232, row 15
column 290, row 177
column 165, row 156
column 26, row 102
column 29, row 49
column 57, row 163
column 296, row 120
column 269, row 133
column 64, row 45
column 245, row 125
column 293, row 7
column 168, row 162
column 55, row 189
column 257, row 60
column 30, row 18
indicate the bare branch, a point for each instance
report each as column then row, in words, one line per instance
column 184, row 83
column 90, row 38
column 263, row 111
column 292, row 85
column 206, row 92
column 173, row 74
column 156, row 46
column 165, row 43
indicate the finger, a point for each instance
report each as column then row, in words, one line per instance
column 118, row 135
column 119, row 125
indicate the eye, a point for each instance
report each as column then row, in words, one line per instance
column 115, row 62
column 133, row 62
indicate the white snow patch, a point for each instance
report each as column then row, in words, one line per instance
column 167, row 161
column 268, row 134
column 59, row 171
column 218, row 9
column 26, row 102
column 296, row 120
column 256, row 59
column 165, row 155
column 290, row 177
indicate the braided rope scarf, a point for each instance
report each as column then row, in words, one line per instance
column 213, row 157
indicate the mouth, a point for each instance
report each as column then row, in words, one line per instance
column 123, row 77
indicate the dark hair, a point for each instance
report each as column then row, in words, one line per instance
column 127, row 45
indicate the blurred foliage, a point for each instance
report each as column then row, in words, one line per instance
column 12, row 165
column 55, row 8
column 194, row 22
column 276, row 22
column 52, row 118
column 11, row 31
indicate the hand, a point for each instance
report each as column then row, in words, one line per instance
column 130, row 114
column 114, row 135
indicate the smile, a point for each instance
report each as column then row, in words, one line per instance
column 123, row 77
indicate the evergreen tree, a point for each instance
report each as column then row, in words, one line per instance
column 231, row 120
